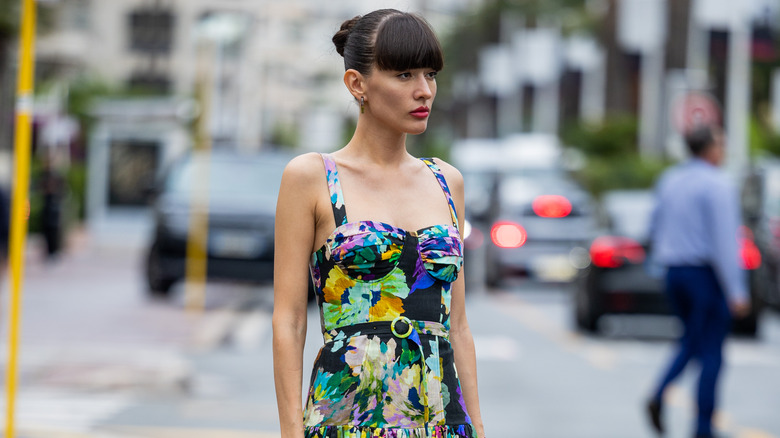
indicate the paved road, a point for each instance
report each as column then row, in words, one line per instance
column 100, row 359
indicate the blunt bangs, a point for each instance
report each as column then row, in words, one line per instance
column 405, row 42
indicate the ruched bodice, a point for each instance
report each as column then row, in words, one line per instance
column 370, row 377
column 369, row 250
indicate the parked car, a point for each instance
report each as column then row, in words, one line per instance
column 761, row 207
column 242, row 191
column 621, row 277
column 484, row 160
column 543, row 223
column 534, row 218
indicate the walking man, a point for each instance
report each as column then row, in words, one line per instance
column 694, row 235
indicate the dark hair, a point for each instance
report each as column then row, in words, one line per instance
column 389, row 39
column 699, row 139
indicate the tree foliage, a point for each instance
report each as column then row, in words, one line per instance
column 611, row 151
column 483, row 26
column 616, row 136
column 8, row 19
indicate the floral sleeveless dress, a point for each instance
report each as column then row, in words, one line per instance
column 387, row 368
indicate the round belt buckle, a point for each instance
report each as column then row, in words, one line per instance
column 401, row 332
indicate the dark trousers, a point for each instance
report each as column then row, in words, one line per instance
column 52, row 238
column 699, row 301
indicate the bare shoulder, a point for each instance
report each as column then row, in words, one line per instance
column 451, row 173
column 304, row 169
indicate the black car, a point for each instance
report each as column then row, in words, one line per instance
column 761, row 207
column 241, row 199
column 621, row 278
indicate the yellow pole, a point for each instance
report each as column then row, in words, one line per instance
column 197, row 242
column 20, row 201
column 196, row 265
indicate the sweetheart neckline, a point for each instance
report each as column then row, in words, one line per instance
column 393, row 227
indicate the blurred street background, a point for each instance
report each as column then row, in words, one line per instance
column 160, row 131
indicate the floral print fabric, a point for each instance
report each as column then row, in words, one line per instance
column 372, row 383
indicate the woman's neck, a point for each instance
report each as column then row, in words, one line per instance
column 377, row 144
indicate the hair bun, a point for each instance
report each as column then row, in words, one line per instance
column 340, row 38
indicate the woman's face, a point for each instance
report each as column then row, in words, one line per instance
column 401, row 100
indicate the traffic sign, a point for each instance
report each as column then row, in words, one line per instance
column 694, row 109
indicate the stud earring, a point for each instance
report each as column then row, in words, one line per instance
column 362, row 104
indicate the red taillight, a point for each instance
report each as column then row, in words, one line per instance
column 750, row 256
column 614, row 251
column 508, row 235
column 551, row 206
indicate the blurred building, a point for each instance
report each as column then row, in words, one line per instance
column 655, row 61
column 244, row 73
column 268, row 68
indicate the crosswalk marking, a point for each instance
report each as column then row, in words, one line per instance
column 64, row 412
column 501, row 348
column 162, row 432
column 215, row 329
column 242, row 330
column 251, row 330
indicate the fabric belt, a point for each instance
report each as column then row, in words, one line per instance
column 402, row 328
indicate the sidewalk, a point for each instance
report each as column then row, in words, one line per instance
column 91, row 340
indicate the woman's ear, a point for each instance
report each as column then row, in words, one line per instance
column 355, row 82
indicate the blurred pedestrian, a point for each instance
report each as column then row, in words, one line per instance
column 694, row 235
column 5, row 233
column 392, row 305
column 52, row 186
column 5, row 229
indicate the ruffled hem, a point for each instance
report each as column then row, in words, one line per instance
column 459, row 431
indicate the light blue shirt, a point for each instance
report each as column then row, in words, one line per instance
column 695, row 223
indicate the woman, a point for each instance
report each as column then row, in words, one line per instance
column 392, row 305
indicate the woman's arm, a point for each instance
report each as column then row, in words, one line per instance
column 460, row 333
column 294, row 236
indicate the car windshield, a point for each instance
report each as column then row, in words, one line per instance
column 252, row 179
column 629, row 212
column 520, row 188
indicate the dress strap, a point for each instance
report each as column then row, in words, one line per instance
column 443, row 183
column 334, row 187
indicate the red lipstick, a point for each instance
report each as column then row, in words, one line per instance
column 421, row 112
